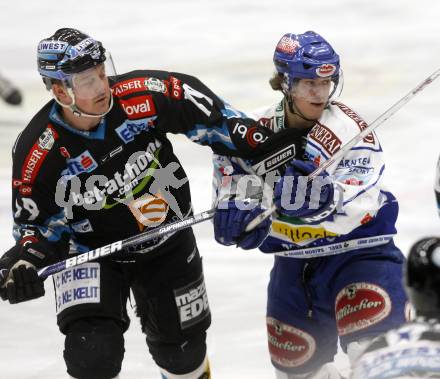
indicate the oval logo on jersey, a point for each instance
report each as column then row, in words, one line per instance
column 289, row 346
column 360, row 305
column 326, row 70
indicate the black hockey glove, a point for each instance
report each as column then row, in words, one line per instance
column 18, row 278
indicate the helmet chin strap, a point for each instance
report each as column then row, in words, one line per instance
column 76, row 111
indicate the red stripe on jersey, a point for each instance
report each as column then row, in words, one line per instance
column 369, row 138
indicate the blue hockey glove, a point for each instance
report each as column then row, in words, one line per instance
column 312, row 201
column 230, row 221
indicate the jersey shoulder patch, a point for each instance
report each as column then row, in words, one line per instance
column 30, row 154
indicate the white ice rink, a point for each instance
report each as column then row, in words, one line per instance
column 387, row 47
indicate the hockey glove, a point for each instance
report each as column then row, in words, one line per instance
column 18, row 266
column 294, row 196
column 18, row 278
column 230, row 221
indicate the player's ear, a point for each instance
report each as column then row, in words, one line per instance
column 61, row 94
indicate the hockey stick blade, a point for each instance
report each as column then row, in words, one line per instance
column 356, row 139
column 122, row 244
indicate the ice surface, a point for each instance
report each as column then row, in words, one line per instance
column 386, row 48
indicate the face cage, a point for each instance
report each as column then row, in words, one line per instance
column 68, row 84
column 288, row 83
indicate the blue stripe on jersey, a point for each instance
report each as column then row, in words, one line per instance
column 76, row 246
column 99, row 133
column 230, row 112
column 52, row 232
column 202, row 134
column 366, row 188
column 56, row 226
column 316, row 147
column 367, row 148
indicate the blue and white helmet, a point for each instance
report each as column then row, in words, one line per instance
column 67, row 56
column 305, row 56
column 66, row 52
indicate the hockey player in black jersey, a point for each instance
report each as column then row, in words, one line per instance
column 413, row 350
column 95, row 166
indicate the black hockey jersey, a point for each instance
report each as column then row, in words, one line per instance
column 96, row 187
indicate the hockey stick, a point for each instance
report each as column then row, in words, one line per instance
column 344, row 149
column 268, row 163
column 122, row 244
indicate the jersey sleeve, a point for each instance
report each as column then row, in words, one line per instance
column 40, row 225
column 191, row 108
column 358, row 179
column 358, row 176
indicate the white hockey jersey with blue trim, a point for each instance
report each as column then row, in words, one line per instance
column 368, row 213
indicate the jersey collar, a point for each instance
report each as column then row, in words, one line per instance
column 98, row 133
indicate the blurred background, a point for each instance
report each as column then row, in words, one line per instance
column 386, row 49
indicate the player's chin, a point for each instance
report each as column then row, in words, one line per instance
column 317, row 105
column 315, row 110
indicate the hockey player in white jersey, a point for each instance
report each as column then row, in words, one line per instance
column 337, row 273
column 413, row 350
